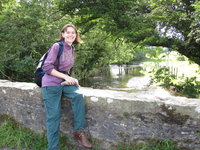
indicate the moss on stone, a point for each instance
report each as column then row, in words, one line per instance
column 172, row 116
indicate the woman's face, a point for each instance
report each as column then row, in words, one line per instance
column 69, row 35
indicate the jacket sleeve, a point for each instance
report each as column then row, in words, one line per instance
column 50, row 62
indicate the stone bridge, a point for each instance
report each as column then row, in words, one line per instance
column 112, row 116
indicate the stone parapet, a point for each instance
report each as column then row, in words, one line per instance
column 112, row 116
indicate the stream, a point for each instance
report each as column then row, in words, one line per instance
column 118, row 77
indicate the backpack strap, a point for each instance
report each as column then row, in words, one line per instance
column 60, row 49
column 59, row 53
column 73, row 49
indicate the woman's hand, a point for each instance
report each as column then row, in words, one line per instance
column 68, row 79
column 71, row 80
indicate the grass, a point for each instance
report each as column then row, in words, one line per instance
column 13, row 135
column 16, row 137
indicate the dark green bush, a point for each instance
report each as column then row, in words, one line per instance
column 163, row 76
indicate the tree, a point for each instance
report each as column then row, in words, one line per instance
column 99, row 50
column 156, row 22
column 176, row 18
column 27, row 30
column 195, row 26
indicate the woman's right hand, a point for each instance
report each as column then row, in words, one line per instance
column 71, row 80
column 68, row 79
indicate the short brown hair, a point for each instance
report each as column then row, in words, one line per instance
column 76, row 41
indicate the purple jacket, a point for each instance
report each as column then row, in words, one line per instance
column 51, row 62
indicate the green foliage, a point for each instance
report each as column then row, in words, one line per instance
column 91, row 54
column 13, row 135
column 163, row 23
column 181, row 58
column 26, row 31
column 149, row 53
column 113, row 31
column 123, row 52
column 122, row 18
column 177, row 26
column 17, row 32
column 163, row 76
column 195, row 32
column 101, row 50
column 189, row 87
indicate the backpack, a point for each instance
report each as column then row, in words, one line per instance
column 39, row 73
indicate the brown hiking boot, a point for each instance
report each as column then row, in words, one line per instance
column 82, row 138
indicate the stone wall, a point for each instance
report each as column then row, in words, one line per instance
column 112, row 116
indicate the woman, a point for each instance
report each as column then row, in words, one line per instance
column 52, row 90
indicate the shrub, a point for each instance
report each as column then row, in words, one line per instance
column 189, row 87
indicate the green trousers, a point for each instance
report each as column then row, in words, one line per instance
column 52, row 103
